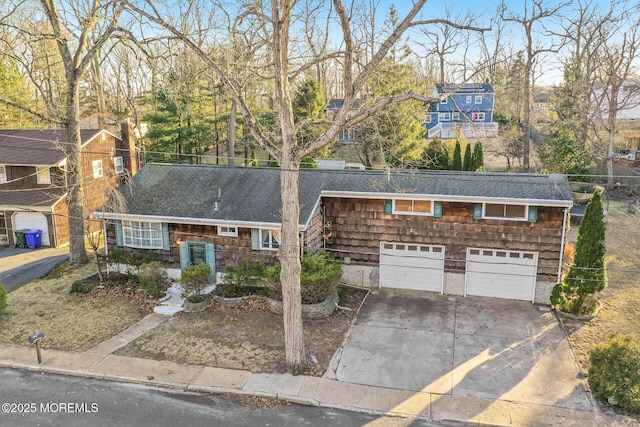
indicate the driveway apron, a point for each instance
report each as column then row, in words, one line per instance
column 463, row 346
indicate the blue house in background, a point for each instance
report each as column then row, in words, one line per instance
column 468, row 107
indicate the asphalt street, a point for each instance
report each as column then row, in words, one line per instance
column 37, row 399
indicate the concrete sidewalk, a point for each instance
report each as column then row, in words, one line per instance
column 100, row 363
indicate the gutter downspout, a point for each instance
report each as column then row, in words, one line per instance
column 562, row 243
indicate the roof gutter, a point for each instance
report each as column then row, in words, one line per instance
column 446, row 198
column 186, row 220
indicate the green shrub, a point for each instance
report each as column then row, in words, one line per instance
column 615, row 371
column 194, row 279
column 154, row 279
column 319, row 278
column 3, row 299
column 82, row 286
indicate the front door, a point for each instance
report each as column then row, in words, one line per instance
column 197, row 254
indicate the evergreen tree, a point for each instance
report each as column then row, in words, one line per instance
column 477, row 157
column 457, row 157
column 587, row 275
column 435, row 156
column 466, row 164
column 565, row 154
column 254, row 159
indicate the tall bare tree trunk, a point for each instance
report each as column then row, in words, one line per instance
column 232, row 133
column 75, row 179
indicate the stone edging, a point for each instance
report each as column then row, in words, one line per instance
column 580, row 318
column 309, row 311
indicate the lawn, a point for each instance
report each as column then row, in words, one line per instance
column 248, row 338
column 69, row 321
column 621, row 311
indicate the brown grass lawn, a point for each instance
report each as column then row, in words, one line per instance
column 69, row 321
column 621, row 299
column 248, row 338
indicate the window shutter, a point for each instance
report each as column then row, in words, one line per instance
column 34, row 177
column 184, row 255
column 533, row 214
column 477, row 211
column 9, row 173
column 119, row 238
column 388, row 207
column 166, row 245
column 210, row 257
column 255, row 239
column 437, row 209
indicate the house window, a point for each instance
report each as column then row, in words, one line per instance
column 455, row 116
column 269, row 239
column 478, row 117
column 444, row 117
column 97, row 169
column 478, row 99
column 468, row 100
column 3, row 174
column 118, row 165
column 227, row 231
column 43, row 176
column 428, row 119
column 412, row 207
column 138, row 234
column 495, row 210
column 443, row 101
column 346, row 135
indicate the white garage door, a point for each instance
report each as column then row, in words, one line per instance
column 32, row 221
column 501, row 274
column 411, row 266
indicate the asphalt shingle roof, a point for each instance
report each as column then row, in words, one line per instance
column 31, row 197
column 253, row 194
column 41, row 147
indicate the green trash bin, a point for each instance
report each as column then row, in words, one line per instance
column 21, row 241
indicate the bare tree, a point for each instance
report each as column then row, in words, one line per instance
column 78, row 33
column 279, row 17
column 617, row 91
column 532, row 20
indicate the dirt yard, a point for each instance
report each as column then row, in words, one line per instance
column 621, row 311
column 69, row 321
column 247, row 338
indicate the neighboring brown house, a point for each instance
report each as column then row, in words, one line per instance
column 33, row 191
column 497, row 235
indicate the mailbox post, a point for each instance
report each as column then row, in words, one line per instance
column 35, row 339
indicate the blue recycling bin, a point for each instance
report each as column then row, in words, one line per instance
column 33, row 238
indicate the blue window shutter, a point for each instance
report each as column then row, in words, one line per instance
column 119, row 237
column 437, row 209
column 388, row 207
column 255, row 239
column 9, row 173
column 184, row 255
column 477, row 211
column 210, row 257
column 166, row 245
column 533, row 214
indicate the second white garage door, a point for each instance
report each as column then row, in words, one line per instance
column 411, row 266
column 501, row 274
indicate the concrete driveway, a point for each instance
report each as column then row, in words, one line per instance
column 462, row 346
column 20, row 265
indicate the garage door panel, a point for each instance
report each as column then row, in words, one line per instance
column 501, row 274
column 33, row 221
column 411, row 266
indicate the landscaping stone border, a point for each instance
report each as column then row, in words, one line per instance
column 309, row 311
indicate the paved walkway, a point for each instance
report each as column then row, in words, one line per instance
column 100, row 362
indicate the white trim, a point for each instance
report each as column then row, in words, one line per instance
column 506, row 218
column 446, row 198
column 43, row 175
column 97, row 173
column 228, row 233
column 270, row 239
column 411, row 213
column 118, row 165
column 475, row 100
column 186, row 220
column 155, row 235
column 3, row 174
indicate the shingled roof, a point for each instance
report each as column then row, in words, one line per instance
column 41, row 147
column 218, row 194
